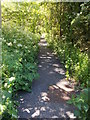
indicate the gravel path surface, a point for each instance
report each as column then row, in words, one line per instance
column 50, row 92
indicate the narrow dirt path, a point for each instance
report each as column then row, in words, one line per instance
column 50, row 92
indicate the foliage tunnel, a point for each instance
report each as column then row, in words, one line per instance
column 66, row 28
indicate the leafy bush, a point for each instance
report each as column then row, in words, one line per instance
column 19, row 54
column 77, row 66
column 82, row 102
column 19, row 65
column 68, row 36
column 75, row 61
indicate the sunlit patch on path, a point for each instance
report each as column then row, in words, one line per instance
column 61, row 92
column 50, row 92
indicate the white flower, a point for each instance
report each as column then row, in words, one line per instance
column 12, row 78
column 19, row 45
column 80, row 13
column 2, row 108
column 14, row 41
column 26, row 47
column 5, row 85
column 30, row 38
column 9, row 44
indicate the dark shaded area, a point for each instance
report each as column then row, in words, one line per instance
column 47, row 99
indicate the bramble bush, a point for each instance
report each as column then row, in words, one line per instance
column 19, row 65
column 19, row 52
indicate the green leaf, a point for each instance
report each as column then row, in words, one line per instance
column 77, row 113
column 69, row 102
column 79, row 106
column 86, row 107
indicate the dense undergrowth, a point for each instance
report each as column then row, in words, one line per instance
column 19, row 53
column 19, row 65
column 75, row 61
column 77, row 67
column 67, row 32
column 69, row 39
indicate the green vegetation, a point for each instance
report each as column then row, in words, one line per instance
column 82, row 103
column 19, row 53
column 67, row 32
column 69, row 38
column 19, row 64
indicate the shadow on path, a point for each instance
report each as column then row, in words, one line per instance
column 50, row 92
